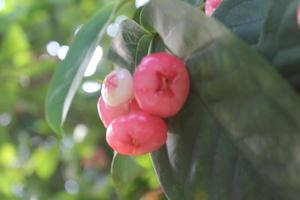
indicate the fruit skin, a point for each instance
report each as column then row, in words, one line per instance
column 161, row 84
column 136, row 133
column 108, row 113
column 298, row 14
column 117, row 87
column 211, row 6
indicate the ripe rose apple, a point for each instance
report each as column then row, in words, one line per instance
column 211, row 6
column 161, row 84
column 298, row 14
column 108, row 113
column 117, row 87
column 136, row 133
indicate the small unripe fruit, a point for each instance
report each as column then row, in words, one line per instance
column 161, row 84
column 211, row 6
column 136, row 133
column 117, row 87
column 108, row 113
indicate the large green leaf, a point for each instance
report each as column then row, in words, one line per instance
column 244, row 174
column 279, row 40
column 238, row 136
column 244, row 17
column 69, row 73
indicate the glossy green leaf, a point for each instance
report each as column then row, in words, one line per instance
column 69, row 73
column 279, row 40
column 244, row 17
column 237, row 137
column 124, row 170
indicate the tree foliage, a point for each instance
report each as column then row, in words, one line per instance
column 236, row 138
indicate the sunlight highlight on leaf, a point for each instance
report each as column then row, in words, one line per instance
column 92, row 66
column 62, row 52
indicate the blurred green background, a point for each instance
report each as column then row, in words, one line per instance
column 35, row 163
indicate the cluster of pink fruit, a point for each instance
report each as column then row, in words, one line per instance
column 133, row 108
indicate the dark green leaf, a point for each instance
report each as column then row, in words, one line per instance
column 126, row 43
column 237, row 137
column 68, row 76
column 124, row 170
column 280, row 40
column 244, row 17
column 158, row 45
column 137, row 15
column 143, row 47
column 194, row 2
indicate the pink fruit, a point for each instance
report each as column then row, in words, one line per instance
column 211, row 6
column 161, row 84
column 136, row 133
column 117, row 87
column 108, row 113
column 298, row 14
